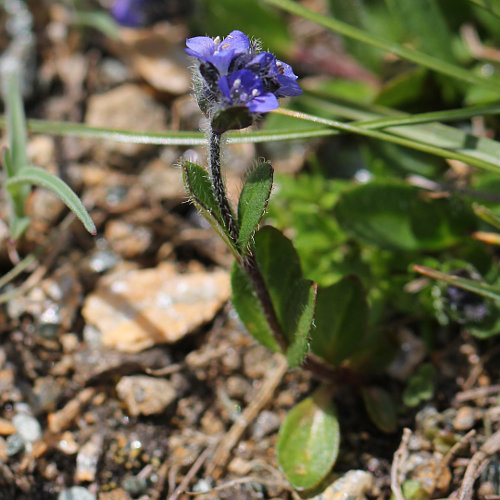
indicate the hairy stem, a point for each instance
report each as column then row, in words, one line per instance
column 252, row 269
column 218, row 185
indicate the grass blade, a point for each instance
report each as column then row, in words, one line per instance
column 415, row 56
column 40, row 177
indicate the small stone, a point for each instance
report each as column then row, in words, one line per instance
column 136, row 309
column 6, row 427
column 15, row 444
column 127, row 239
column 162, row 181
column 67, row 444
column 126, row 107
column 46, row 393
column 267, row 422
column 145, row 395
column 464, row 419
column 27, row 427
column 352, row 486
column 87, row 459
column 76, row 493
column 118, row 494
column 238, row 387
column 135, row 485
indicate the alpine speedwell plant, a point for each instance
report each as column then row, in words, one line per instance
column 321, row 330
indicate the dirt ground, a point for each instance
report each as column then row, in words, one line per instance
column 105, row 387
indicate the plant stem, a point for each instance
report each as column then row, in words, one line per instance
column 218, row 185
column 249, row 263
column 252, row 269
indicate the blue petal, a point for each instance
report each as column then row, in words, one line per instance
column 129, row 12
column 263, row 103
column 237, row 41
column 201, row 47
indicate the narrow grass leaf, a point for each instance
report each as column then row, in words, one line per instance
column 415, row 56
column 483, row 289
column 39, row 177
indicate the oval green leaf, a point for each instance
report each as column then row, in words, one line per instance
column 397, row 216
column 340, row 320
column 308, row 441
column 381, row 408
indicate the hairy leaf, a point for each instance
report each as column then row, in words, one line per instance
column 253, row 202
column 308, row 441
column 340, row 320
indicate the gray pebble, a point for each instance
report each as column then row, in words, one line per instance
column 27, row 427
column 76, row 493
column 15, row 444
column 135, row 485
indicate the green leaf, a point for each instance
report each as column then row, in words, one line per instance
column 381, row 408
column 253, row 202
column 40, row 177
column 293, row 296
column 199, row 187
column 340, row 320
column 425, row 60
column 249, row 310
column 16, row 121
column 398, row 216
column 308, row 441
column 420, row 386
column 487, row 215
column 489, row 291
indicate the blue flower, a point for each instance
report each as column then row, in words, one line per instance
column 235, row 75
column 216, row 52
column 131, row 13
column 245, row 88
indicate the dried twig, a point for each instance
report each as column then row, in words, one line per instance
column 192, row 472
column 479, row 392
column 397, row 462
column 477, row 463
column 243, row 480
column 449, row 456
column 231, row 438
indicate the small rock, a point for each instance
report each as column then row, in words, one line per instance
column 238, row 387
column 15, row 444
column 145, row 395
column 46, row 393
column 267, row 422
column 87, row 459
column 67, row 444
column 464, row 419
column 118, row 494
column 127, row 239
column 156, row 57
column 162, row 181
column 6, row 427
column 135, row 485
column 137, row 309
column 126, row 107
column 76, row 493
column 27, row 427
column 351, row 486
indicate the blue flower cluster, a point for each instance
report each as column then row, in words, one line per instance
column 235, row 74
column 140, row 13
